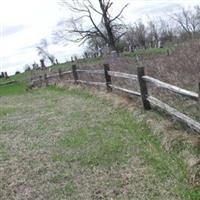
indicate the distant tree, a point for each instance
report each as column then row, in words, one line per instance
column 42, row 49
column 95, row 45
column 140, row 34
column 77, row 29
column 153, row 33
column 168, row 33
column 27, row 68
column 17, row 72
column 130, row 38
column 136, row 36
column 35, row 66
column 188, row 22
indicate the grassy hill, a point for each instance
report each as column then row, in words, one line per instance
column 75, row 143
column 180, row 67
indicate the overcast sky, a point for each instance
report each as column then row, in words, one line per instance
column 23, row 23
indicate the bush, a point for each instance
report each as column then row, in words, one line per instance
column 17, row 72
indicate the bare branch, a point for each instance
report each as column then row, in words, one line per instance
column 93, row 8
column 106, row 29
column 120, row 13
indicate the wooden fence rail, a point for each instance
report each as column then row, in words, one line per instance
column 123, row 75
column 175, row 113
column 91, row 71
column 126, row 90
column 172, row 88
column 147, row 100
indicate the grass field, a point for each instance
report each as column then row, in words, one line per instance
column 68, row 144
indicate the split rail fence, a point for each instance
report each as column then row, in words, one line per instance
column 147, row 100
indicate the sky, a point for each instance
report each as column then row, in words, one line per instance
column 23, row 23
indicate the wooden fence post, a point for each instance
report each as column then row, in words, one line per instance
column 6, row 75
column 40, row 81
column 60, row 73
column 75, row 74
column 46, row 80
column 107, row 77
column 143, row 88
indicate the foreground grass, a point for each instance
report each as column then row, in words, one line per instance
column 68, row 144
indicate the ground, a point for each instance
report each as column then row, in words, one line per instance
column 66, row 143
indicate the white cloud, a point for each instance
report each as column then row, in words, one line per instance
column 39, row 17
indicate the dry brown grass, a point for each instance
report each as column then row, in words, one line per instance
column 38, row 161
column 181, row 68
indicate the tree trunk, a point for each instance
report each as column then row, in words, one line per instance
column 107, row 23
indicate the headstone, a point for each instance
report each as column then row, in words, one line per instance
column 35, row 65
column 114, row 54
column 6, row 75
column 42, row 64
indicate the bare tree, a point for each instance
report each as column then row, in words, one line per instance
column 130, row 38
column 27, row 68
column 84, row 26
column 136, row 36
column 167, row 31
column 140, row 34
column 160, row 31
column 42, row 50
column 153, row 35
column 188, row 21
column 95, row 45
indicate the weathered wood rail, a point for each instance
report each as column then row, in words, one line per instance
column 175, row 113
column 172, row 88
column 123, row 75
column 141, row 79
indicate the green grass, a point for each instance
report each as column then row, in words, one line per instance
column 114, row 141
column 22, row 81
column 13, row 89
column 69, row 144
column 22, row 78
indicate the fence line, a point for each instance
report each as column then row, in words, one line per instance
column 147, row 100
